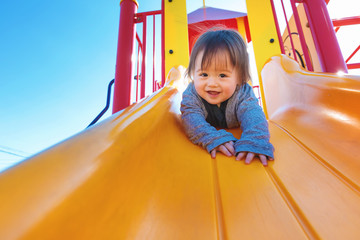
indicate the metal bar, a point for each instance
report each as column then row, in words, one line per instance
column 139, row 41
column 162, row 44
column 126, row 40
column 154, row 60
column 346, row 21
column 353, row 65
column 301, row 36
column 148, row 13
column 277, row 28
column 106, row 106
column 137, row 74
column 288, row 28
column 357, row 49
column 327, row 46
column 143, row 65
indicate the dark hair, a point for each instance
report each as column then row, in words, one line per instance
column 214, row 42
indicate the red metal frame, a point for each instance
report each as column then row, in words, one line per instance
column 346, row 22
column 327, row 46
column 123, row 74
column 154, row 59
column 301, row 36
column 137, row 66
column 288, row 28
column 142, row 18
column 277, row 28
column 123, row 71
column 353, row 65
column 162, row 44
column 357, row 49
column 258, row 94
column 143, row 65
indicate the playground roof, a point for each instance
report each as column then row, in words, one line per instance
column 209, row 13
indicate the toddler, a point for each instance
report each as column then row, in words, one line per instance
column 220, row 97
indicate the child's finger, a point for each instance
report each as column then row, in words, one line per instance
column 225, row 151
column 249, row 157
column 240, row 156
column 263, row 159
column 213, row 153
column 230, row 147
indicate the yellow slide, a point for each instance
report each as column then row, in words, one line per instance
column 137, row 176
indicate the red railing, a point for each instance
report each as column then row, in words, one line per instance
column 141, row 77
column 347, row 22
column 293, row 52
column 257, row 93
column 323, row 38
column 126, row 90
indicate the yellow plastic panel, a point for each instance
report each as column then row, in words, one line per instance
column 321, row 200
column 315, row 121
column 241, row 27
column 262, row 28
column 176, row 34
column 320, row 110
column 115, row 180
column 253, row 208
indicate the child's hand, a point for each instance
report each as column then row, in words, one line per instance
column 250, row 156
column 226, row 148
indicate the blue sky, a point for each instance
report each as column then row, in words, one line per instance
column 56, row 60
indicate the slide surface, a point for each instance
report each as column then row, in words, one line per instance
column 137, row 176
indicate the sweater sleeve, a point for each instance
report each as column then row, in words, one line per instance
column 255, row 133
column 198, row 130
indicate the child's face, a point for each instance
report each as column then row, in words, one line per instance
column 217, row 82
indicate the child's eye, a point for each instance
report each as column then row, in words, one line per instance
column 222, row 75
column 203, row 74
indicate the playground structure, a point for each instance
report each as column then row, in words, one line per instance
column 136, row 175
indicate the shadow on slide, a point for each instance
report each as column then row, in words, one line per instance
column 136, row 175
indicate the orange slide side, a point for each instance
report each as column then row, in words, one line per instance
column 137, row 176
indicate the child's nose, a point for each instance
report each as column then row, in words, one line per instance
column 212, row 81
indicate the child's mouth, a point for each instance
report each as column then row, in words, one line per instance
column 213, row 93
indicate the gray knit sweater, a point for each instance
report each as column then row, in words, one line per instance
column 242, row 110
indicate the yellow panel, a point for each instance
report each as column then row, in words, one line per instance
column 124, row 185
column 320, row 109
column 250, row 200
column 321, row 198
column 262, row 28
column 315, row 117
column 176, row 34
column 241, row 27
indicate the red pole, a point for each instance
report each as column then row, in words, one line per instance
column 346, row 21
column 277, row 28
column 327, row 46
column 301, row 36
column 162, row 44
column 288, row 28
column 154, row 62
column 357, row 49
column 137, row 73
column 143, row 65
column 126, row 39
